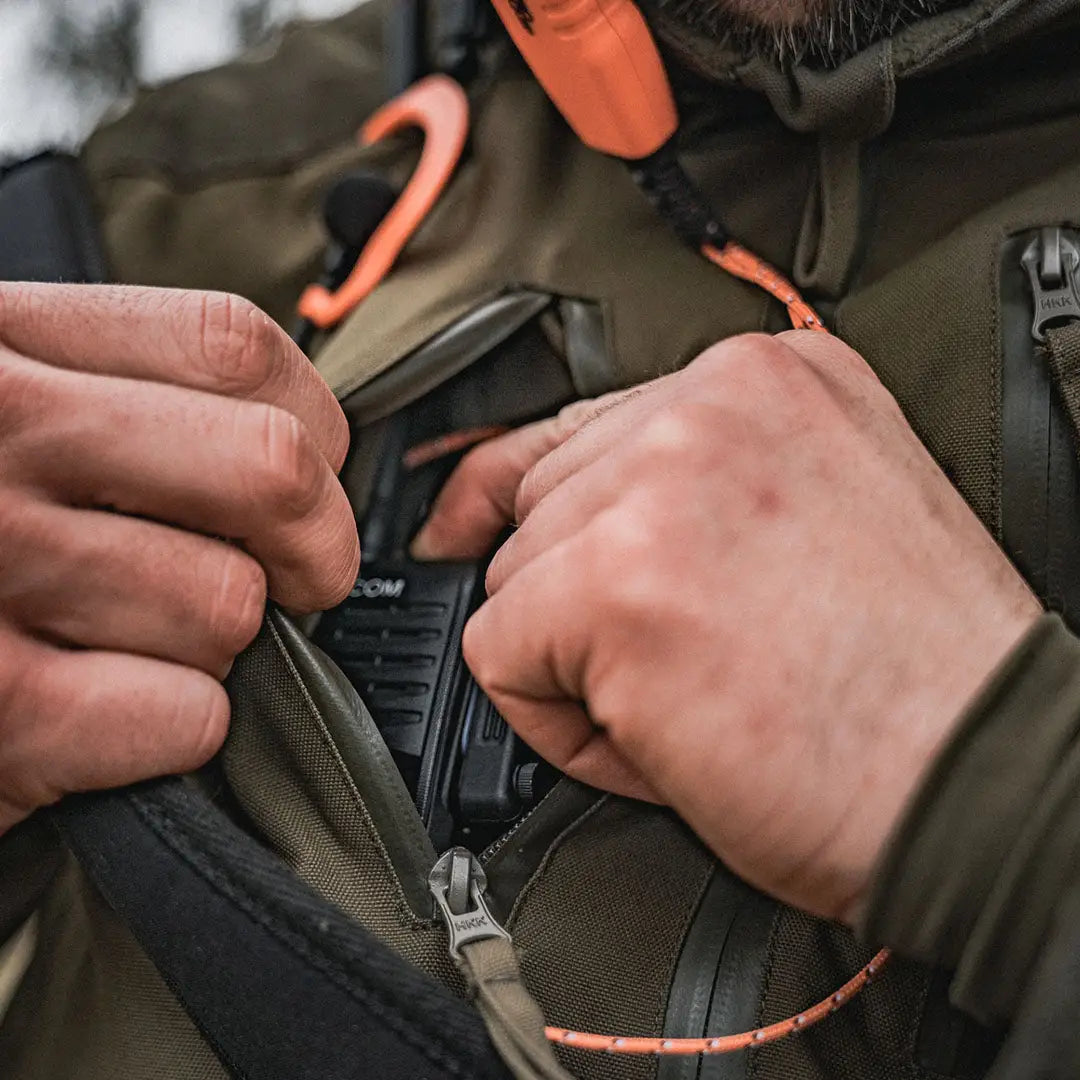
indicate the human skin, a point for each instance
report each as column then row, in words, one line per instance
column 167, row 461
column 746, row 591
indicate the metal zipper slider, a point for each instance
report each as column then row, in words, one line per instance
column 484, row 954
column 458, row 882
column 1052, row 262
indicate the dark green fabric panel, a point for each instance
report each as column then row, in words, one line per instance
column 268, row 112
column 600, row 926
column 216, row 181
column 287, row 772
column 930, row 331
column 872, row 1036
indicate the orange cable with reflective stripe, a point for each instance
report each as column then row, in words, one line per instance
column 723, row 1044
column 741, row 263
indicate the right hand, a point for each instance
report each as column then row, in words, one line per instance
column 167, row 460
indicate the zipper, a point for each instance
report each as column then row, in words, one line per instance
column 458, row 883
column 497, row 845
column 1052, row 262
column 1040, row 479
column 484, row 953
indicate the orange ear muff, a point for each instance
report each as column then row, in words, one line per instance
column 438, row 106
column 600, row 66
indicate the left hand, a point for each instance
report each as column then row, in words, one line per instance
column 745, row 590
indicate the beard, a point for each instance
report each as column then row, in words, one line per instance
column 823, row 32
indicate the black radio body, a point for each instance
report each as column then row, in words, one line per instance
column 397, row 637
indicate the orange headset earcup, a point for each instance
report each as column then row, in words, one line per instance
column 600, row 66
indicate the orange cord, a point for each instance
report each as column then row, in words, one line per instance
column 723, row 1044
column 451, row 443
column 744, row 264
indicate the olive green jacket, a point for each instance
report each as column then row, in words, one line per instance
column 899, row 191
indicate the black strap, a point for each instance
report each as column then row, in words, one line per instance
column 47, row 221
column 279, row 981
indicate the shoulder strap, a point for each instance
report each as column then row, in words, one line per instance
column 279, row 981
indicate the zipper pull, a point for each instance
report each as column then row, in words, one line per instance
column 458, row 883
column 1052, row 262
column 484, row 954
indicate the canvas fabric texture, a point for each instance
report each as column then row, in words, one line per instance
column 858, row 181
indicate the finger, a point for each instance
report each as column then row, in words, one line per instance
column 477, row 501
column 597, row 432
column 560, row 515
column 106, row 581
column 208, row 341
column 80, row 721
column 834, row 360
column 533, row 670
column 241, row 470
column 562, row 734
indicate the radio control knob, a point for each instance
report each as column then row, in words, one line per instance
column 525, row 782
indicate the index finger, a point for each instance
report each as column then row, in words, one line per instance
column 210, row 341
column 478, row 500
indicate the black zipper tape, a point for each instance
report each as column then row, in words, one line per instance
column 1040, row 478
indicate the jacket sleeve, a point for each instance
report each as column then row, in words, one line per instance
column 983, row 873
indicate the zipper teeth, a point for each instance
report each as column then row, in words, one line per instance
column 497, row 845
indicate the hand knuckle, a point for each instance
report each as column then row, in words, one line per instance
column 25, row 706
column 573, row 416
column 21, row 531
column 13, row 687
column 627, row 539
column 745, row 358
column 337, row 576
column 237, row 343
column 23, row 303
column 28, row 394
column 292, row 462
column 671, row 433
column 529, row 490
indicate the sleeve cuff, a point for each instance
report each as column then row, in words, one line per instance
column 991, row 840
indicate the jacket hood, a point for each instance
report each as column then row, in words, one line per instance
column 855, row 100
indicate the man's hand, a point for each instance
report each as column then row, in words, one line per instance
column 745, row 590
column 166, row 460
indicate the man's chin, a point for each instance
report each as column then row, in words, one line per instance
column 775, row 14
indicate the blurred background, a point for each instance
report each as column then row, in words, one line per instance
column 65, row 63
